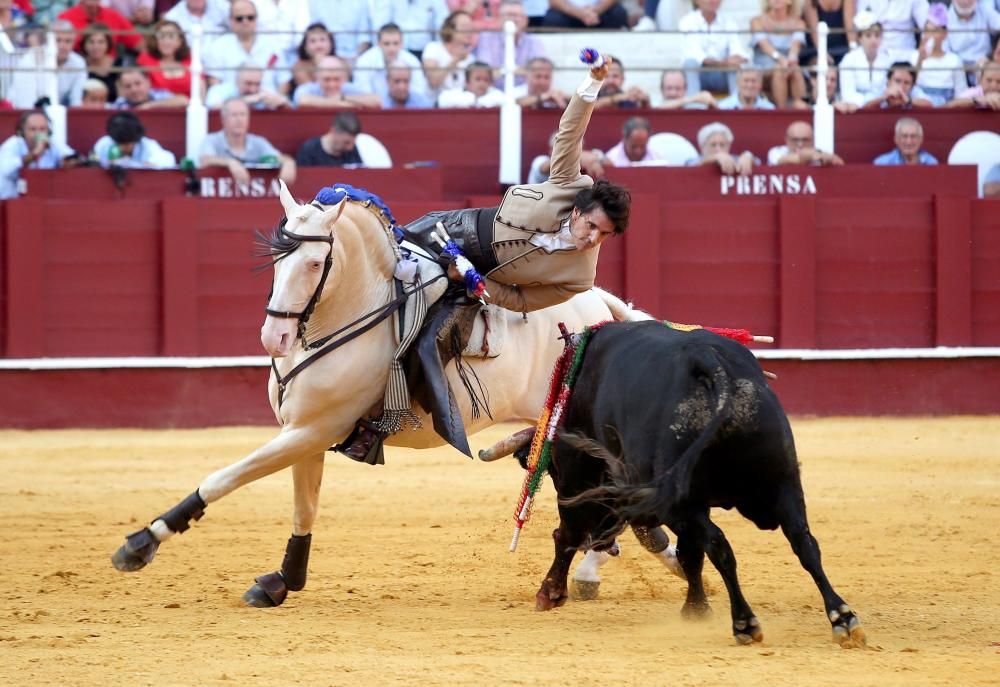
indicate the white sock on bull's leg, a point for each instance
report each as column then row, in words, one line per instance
column 161, row 531
column 669, row 558
column 587, row 580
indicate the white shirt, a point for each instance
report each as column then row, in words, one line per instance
column 898, row 18
column 213, row 22
column 348, row 20
column 455, row 79
column 25, row 88
column 560, row 240
column 860, row 81
column 703, row 40
column 225, row 55
column 370, row 72
column 946, row 71
column 147, row 154
column 12, row 154
column 419, row 20
column 461, row 98
column 288, row 20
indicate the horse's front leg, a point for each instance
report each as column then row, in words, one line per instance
column 271, row 589
column 289, row 447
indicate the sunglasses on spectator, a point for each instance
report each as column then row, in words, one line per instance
column 240, row 18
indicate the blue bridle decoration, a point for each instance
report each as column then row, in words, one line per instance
column 331, row 195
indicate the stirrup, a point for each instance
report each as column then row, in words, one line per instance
column 364, row 444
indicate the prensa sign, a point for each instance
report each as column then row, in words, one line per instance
column 225, row 187
column 767, row 185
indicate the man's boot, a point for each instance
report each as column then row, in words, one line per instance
column 364, row 444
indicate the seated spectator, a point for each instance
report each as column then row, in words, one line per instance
column 711, row 43
column 991, row 184
column 778, row 38
column 248, row 88
column 211, row 15
column 445, row 61
column 398, row 93
column 863, row 69
column 833, row 93
column 901, row 20
column 331, row 89
column 316, row 44
column 235, row 148
column 88, row 12
column 673, row 89
column 614, row 94
column 634, row 147
column 591, row 163
column 167, row 59
column 526, row 46
column 483, row 13
column 419, row 20
column 101, row 63
column 139, row 12
column 31, row 147
column 95, row 94
column 909, row 137
column 349, row 21
column 941, row 73
column 837, row 14
column 969, row 25
column 137, row 93
column 479, row 90
column 71, row 71
column 225, row 54
column 749, row 84
column 126, row 145
column 799, row 149
column 370, row 67
column 985, row 96
column 336, row 148
column 537, row 91
column 900, row 90
column 715, row 140
column 586, row 14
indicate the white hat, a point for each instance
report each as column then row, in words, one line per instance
column 864, row 20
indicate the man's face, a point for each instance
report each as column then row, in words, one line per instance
column 196, row 6
column 391, row 42
column 35, row 126
column 94, row 99
column 615, row 77
column 798, row 136
column 331, row 80
column 749, row 85
column 243, row 18
column 236, row 118
column 909, row 139
column 399, row 84
column 479, row 81
column 871, row 40
column 672, row 87
column 903, row 79
column 991, row 80
column 135, row 87
column 64, row 44
column 539, row 79
column 716, row 143
column 635, row 145
column 342, row 142
column 248, row 82
column 831, row 84
column 590, row 229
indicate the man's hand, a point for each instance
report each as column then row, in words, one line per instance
column 638, row 96
column 600, row 73
column 589, row 17
column 726, row 163
column 274, row 100
column 39, row 147
column 734, row 60
column 556, row 96
column 239, row 172
column 705, row 98
column 744, row 165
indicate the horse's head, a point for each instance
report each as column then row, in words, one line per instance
column 304, row 251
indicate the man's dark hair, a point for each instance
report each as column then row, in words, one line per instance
column 389, row 28
column 125, row 127
column 615, row 200
column 347, row 123
column 634, row 123
column 476, row 66
column 902, row 66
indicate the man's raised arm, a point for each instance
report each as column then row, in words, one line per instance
column 565, row 161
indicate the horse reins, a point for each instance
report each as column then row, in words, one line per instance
column 306, row 313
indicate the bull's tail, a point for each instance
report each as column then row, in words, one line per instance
column 620, row 310
column 635, row 501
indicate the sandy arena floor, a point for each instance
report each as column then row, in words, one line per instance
column 411, row 583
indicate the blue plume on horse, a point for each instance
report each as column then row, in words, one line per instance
column 331, row 195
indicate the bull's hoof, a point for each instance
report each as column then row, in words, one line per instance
column 696, row 610
column 548, row 597
column 847, row 630
column 270, row 591
column 748, row 631
column 586, row 590
column 137, row 551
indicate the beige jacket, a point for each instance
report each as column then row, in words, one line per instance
column 530, row 277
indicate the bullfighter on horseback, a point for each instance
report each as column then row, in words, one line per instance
column 538, row 248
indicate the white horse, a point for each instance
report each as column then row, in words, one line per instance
column 338, row 262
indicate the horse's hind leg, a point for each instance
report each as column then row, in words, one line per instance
column 847, row 630
column 272, row 588
column 285, row 449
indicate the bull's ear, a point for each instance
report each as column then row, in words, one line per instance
column 287, row 202
column 333, row 214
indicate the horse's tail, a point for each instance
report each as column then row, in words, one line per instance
column 620, row 310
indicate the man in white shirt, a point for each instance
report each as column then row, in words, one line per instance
column 370, row 67
column 31, row 147
column 126, row 145
column 711, row 42
column 210, row 15
column 900, row 20
column 71, row 71
column 969, row 25
column 225, row 54
column 248, row 87
column 330, row 89
column 235, row 148
column 349, row 21
column 799, row 149
column 478, row 92
column 863, row 69
column 634, row 148
column 748, row 95
column 673, row 91
column 537, row 90
column 419, row 20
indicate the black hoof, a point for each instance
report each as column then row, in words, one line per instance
column 270, row 591
column 696, row 610
column 847, row 630
column 137, row 551
column 748, row 631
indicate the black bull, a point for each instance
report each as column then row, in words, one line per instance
column 663, row 425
